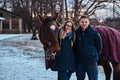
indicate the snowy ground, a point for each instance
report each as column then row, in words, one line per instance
column 23, row 59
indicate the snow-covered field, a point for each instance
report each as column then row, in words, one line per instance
column 23, row 59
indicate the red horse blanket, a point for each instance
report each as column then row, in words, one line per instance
column 111, row 43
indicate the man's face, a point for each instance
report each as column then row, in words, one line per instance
column 84, row 23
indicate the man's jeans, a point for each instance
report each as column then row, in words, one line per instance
column 90, row 69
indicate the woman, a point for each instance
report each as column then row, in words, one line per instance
column 65, row 61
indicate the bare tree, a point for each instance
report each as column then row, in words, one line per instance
column 87, row 7
column 66, row 9
column 31, row 8
column 61, row 3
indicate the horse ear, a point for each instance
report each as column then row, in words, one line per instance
column 41, row 18
column 55, row 16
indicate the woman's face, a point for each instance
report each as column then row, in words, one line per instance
column 84, row 23
column 68, row 27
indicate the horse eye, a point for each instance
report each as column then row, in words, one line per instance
column 52, row 27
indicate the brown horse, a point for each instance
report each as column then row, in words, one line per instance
column 48, row 34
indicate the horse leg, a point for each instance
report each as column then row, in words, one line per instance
column 116, row 71
column 107, row 69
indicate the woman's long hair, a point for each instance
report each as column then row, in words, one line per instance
column 63, row 30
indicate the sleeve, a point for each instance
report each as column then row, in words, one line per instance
column 98, row 42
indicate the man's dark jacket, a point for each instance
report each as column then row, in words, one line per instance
column 87, row 46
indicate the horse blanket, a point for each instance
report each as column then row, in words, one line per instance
column 111, row 43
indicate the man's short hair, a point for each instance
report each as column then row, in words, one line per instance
column 84, row 16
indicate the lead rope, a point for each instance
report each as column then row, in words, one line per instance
column 47, row 57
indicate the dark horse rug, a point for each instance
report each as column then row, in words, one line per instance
column 111, row 43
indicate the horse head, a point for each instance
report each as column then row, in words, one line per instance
column 48, row 35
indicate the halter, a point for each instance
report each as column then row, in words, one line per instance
column 48, row 54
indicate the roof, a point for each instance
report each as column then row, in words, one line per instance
column 1, row 18
column 13, row 14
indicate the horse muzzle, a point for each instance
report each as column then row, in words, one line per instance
column 51, row 55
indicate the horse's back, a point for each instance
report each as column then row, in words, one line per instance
column 111, row 43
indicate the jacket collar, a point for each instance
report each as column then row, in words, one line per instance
column 86, row 30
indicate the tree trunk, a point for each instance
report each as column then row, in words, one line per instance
column 66, row 9
column 62, row 11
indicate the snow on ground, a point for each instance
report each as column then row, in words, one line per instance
column 5, row 36
column 23, row 59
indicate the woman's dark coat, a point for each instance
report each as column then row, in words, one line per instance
column 65, row 61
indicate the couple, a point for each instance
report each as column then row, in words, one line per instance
column 79, row 51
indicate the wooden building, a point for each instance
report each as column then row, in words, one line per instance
column 10, row 22
column 1, row 22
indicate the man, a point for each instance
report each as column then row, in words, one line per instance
column 87, row 46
